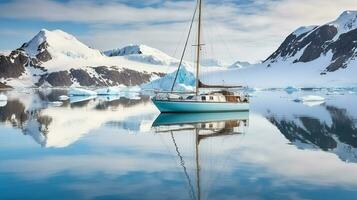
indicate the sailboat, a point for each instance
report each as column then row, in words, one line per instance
column 220, row 99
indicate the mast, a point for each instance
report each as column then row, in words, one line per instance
column 198, row 165
column 198, row 51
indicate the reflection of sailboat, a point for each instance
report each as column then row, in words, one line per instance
column 203, row 126
column 218, row 100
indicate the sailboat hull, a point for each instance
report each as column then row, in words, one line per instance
column 195, row 106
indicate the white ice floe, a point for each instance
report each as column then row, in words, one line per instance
column 313, row 103
column 3, row 97
column 63, row 98
column 81, row 92
column 131, row 89
column 3, row 103
column 310, row 98
column 77, row 99
column 108, row 91
column 56, row 103
column 108, row 98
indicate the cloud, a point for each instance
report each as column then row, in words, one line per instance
column 247, row 30
column 92, row 12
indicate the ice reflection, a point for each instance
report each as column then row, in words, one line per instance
column 62, row 125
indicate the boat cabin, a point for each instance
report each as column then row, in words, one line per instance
column 221, row 96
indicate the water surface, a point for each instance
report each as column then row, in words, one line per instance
column 119, row 147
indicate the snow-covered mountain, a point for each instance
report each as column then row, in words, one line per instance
column 313, row 56
column 144, row 54
column 240, row 65
column 210, row 62
column 336, row 41
column 5, row 53
column 56, row 58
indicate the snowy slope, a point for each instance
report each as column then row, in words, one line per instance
column 240, row 64
column 285, row 74
column 5, row 53
column 144, row 54
column 60, row 45
column 310, row 43
column 313, row 56
column 210, row 62
column 67, row 52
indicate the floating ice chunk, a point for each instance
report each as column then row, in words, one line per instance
column 3, row 97
column 77, row 99
column 56, row 103
column 313, row 103
column 108, row 91
column 108, row 98
column 3, row 103
column 291, row 89
column 132, row 89
column 132, row 95
column 310, row 98
column 184, row 77
column 63, row 98
column 81, row 92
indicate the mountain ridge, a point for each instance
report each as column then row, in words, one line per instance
column 57, row 59
column 307, row 44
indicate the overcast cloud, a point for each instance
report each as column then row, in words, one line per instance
column 243, row 29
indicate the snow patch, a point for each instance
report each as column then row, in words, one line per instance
column 303, row 30
column 63, row 98
column 3, row 97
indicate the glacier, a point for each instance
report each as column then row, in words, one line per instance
column 186, row 81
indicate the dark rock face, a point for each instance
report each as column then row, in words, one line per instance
column 343, row 49
column 289, row 47
column 317, row 42
column 44, row 55
column 4, row 86
column 12, row 66
column 83, row 78
column 105, row 76
column 60, row 79
column 122, row 76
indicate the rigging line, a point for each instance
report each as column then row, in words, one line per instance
column 184, row 50
column 182, row 163
column 220, row 36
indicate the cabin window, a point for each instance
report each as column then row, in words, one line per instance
column 211, row 98
column 203, row 98
column 190, row 97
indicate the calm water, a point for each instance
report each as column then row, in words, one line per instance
column 120, row 148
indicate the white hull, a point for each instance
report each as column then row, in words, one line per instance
column 166, row 106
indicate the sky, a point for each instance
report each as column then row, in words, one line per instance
column 245, row 30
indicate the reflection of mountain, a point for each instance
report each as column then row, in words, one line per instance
column 62, row 126
column 339, row 137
